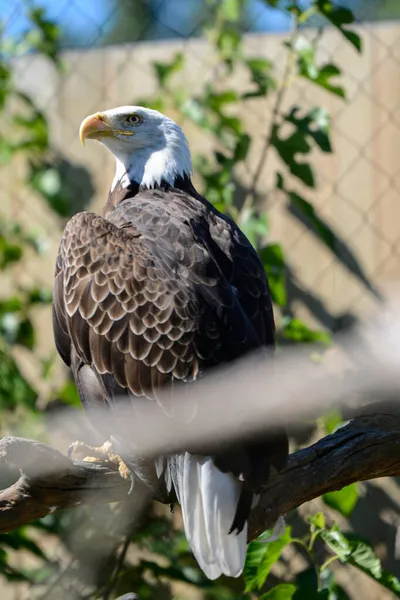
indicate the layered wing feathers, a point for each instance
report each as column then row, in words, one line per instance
column 124, row 315
column 158, row 291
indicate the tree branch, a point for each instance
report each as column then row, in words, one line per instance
column 367, row 448
column 62, row 483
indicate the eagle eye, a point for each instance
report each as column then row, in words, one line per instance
column 134, row 119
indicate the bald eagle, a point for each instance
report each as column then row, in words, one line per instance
column 151, row 296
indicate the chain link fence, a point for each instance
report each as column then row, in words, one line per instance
column 357, row 189
column 357, row 185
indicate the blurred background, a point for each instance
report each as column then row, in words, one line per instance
column 292, row 111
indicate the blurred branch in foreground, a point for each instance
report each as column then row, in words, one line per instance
column 367, row 448
column 262, row 394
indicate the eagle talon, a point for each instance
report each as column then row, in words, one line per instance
column 78, row 450
column 104, row 453
column 123, row 469
column 84, row 452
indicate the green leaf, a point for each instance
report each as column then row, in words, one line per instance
column 340, row 16
column 308, row 68
column 164, row 71
column 273, row 260
column 216, row 101
column 50, row 182
column 17, row 329
column 297, row 331
column 307, row 586
column 6, row 150
column 253, row 225
column 328, row 583
column 358, row 553
column 324, row 76
column 337, row 542
column 230, row 123
column 9, row 252
column 10, row 305
column 19, row 540
column 343, row 500
column 231, row 9
column 331, row 421
column 47, row 182
column 363, row 556
column 14, row 389
column 46, row 35
column 34, row 128
column 260, row 558
column 26, row 334
column 195, row 111
column 242, row 148
column 283, row 591
column 5, row 83
column 260, row 71
column 228, row 40
column 317, row 520
column 288, row 148
column 315, row 124
column 39, row 295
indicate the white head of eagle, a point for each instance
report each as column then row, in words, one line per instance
column 149, row 148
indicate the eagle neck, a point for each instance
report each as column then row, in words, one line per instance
column 150, row 166
column 127, row 189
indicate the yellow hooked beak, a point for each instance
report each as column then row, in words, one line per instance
column 98, row 126
column 94, row 126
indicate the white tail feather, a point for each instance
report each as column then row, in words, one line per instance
column 160, row 465
column 209, row 499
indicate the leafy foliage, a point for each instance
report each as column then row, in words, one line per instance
column 261, row 556
column 344, row 500
column 14, row 389
column 162, row 553
column 295, row 330
column 28, row 135
column 340, row 17
column 283, row 591
column 358, row 553
column 293, row 135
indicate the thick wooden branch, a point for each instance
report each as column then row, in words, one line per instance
column 367, row 448
column 62, row 483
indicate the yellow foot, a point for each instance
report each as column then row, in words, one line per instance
column 104, row 453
